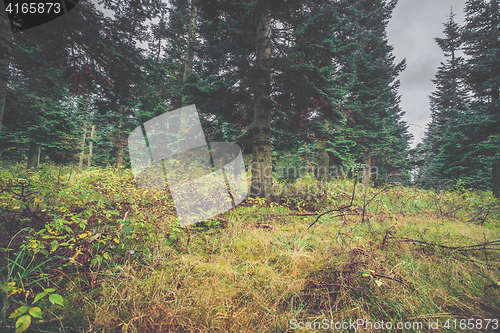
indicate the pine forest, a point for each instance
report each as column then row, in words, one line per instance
column 244, row 166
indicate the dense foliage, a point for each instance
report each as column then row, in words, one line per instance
column 462, row 141
column 327, row 91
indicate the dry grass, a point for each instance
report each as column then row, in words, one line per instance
column 244, row 278
column 256, row 269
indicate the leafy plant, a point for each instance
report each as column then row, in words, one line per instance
column 25, row 313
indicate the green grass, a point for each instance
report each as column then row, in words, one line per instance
column 251, row 269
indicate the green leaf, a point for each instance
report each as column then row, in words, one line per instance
column 23, row 323
column 50, row 290
column 39, row 296
column 36, row 312
column 56, row 299
column 19, row 311
column 55, row 245
column 378, row 282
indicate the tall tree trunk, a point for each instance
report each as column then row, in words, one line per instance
column 120, row 145
column 323, row 161
column 5, row 47
column 261, row 164
column 178, row 100
column 188, row 63
column 32, row 154
column 38, row 156
column 495, row 173
column 80, row 164
column 89, row 162
column 367, row 170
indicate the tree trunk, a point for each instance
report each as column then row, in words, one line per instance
column 261, row 165
column 32, row 154
column 188, row 63
column 38, row 156
column 89, row 162
column 495, row 172
column 80, row 164
column 367, row 170
column 323, row 161
column 178, row 100
column 120, row 145
column 5, row 47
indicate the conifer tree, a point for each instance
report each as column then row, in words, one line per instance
column 482, row 46
column 5, row 49
column 449, row 104
column 462, row 141
column 374, row 117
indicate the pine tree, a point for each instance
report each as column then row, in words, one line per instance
column 5, row 47
column 123, row 63
column 374, row 117
column 482, row 46
column 240, row 72
column 449, row 104
column 38, row 114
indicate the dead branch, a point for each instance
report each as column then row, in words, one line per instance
column 319, row 285
column 293, row 214
column 394, row 279
column 369, row 201
column 340, row 209
column 482, row 246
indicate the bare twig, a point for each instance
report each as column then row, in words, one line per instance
column 293, row 214
column 394, row 279
column 482, row 246
column 342, row 208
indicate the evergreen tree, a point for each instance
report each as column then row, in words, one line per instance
column 5, row 47
column 374, row 117
column 449, row 104
column 240, row 71
column 38, row 112
column 482, row 45
column 123, row 63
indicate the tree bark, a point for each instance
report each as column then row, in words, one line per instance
column 38, row 156
column 261, row 165
column 80, row 164
column 89, row 162
column 495, row 173
column 367, row 170
column 5, row 47
column 188, row 63
column 120, row 146
column 32, row 154
column 323, row 161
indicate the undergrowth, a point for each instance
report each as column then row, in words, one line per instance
column 116, row 255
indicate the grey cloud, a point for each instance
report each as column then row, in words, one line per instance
column 412, row 29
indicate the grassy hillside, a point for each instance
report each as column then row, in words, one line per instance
column 119, row 262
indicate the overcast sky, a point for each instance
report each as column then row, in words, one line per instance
column 411, row 31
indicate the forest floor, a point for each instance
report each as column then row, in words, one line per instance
column 91, row 252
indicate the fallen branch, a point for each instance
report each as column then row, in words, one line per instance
column 293, row 214
column 482, row 246
column 314, row 285
column 321, row 295
column 340, row 209
column 393, row 279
